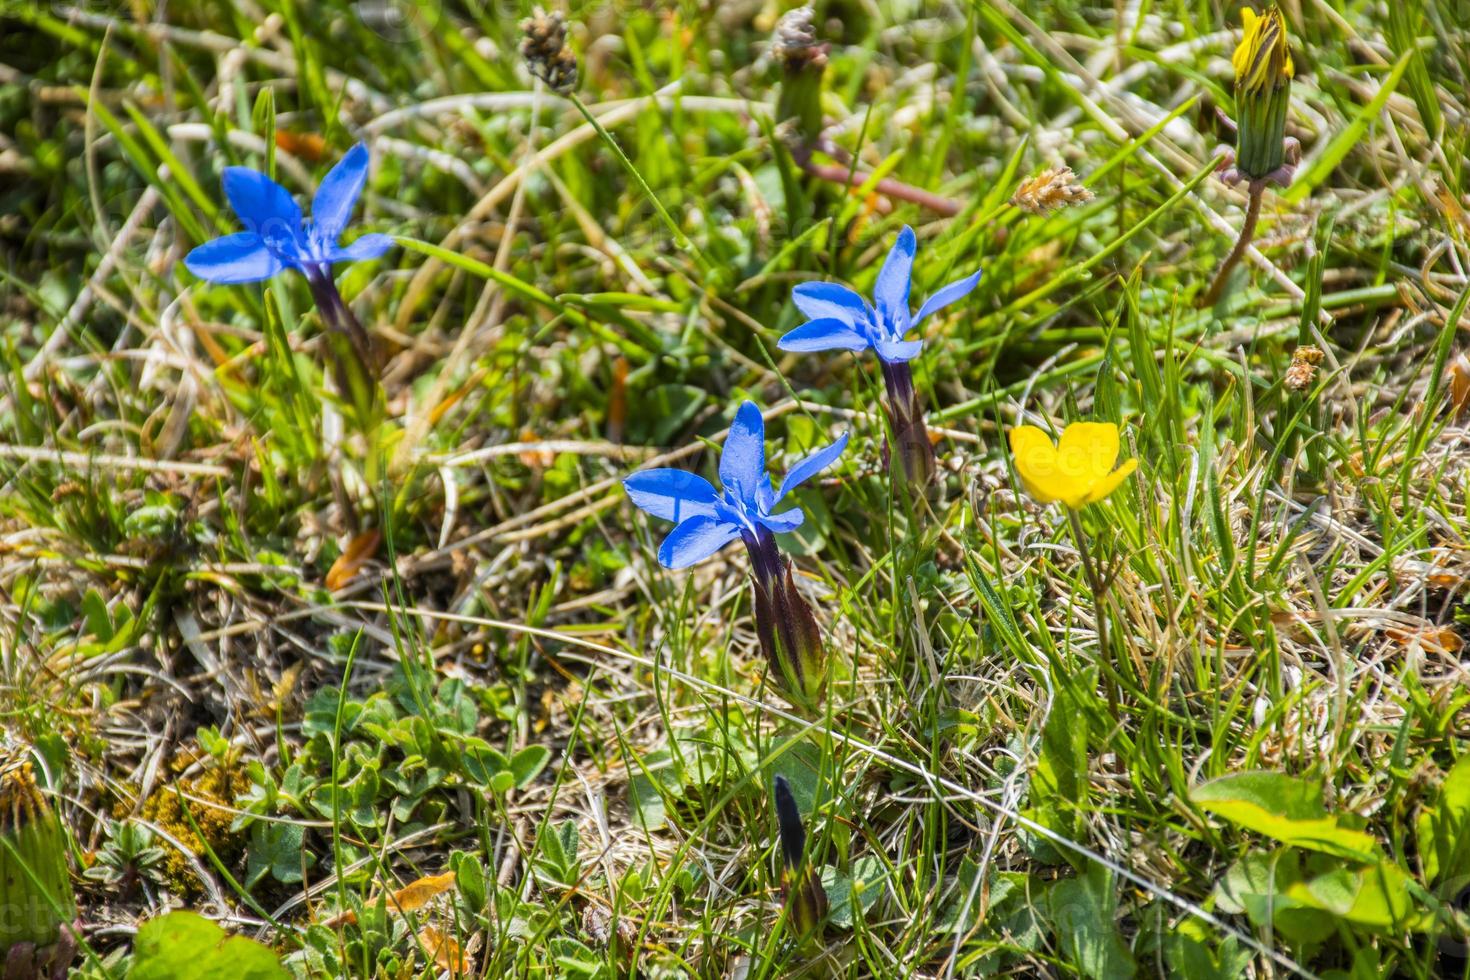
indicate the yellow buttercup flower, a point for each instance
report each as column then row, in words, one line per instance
column 1078, row 470
column 1263, row 60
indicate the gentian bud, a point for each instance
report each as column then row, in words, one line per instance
column 801, row 887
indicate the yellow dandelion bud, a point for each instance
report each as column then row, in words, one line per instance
column 1263, row 60
column 1263, row 73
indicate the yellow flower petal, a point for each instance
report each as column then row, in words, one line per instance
column 1088, row 450
column 1110, row 482
column 1036, row 463
column 1262, row 60
column 1077, row 471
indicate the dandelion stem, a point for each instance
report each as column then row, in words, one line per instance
column 1247, row 231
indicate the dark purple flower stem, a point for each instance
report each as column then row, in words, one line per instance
column 1247, row 232
column 765, row 557
column 338, row 316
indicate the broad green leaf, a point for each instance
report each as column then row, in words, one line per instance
column 469, row 877
column 657, row 774
column 186, row 944
column 800, row 761
column 1059, row 784
column 1375, row 896
column 847, row 893
column 527, row 764
column 1284, row 808
column 1191, row 952
column 275, row 850
column 1257, row 885
column 1082, row 913
column 1443, row 830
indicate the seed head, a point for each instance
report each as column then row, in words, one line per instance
column 794, row 42
column 1050, row 190
column 544, row 46
column 1303, row 369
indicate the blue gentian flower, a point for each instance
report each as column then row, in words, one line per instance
column 746, row 508
column 708, row 519
column 276, row 236
column 840, row 319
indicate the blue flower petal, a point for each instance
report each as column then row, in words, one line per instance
column 336, row 196
column 784, row 522
column 265, row 208
column 956, row 290
column 812, row 465
column 233, row 259
column 674, row 495
column 743, row 462
column 362, row 247
column 825, row 334
column 765, row 498
column 891, row 293
column 898, row 351
column 695, row 540
column 830, row 301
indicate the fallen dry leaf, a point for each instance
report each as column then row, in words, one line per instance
column 410, row 898
column 307, row 146
column 1437, row 639
column 444, row 950
column 1457, row 382
column 358, row 552
column 535, row 458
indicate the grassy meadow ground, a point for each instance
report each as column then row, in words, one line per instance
column 290, row 672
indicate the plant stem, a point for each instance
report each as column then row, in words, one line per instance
column 683, row 241
column 851, row 177
column 1247, row 231
column 1099, row 612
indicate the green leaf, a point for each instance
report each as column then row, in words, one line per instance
column 1284, row 808
column 1187, row 949
column 657, row 775
column 276, row 850
column 482, row 763
column 801, row 764
column 469, row 878
column 1082, row 912
column 557, row 854
column 527, row 764
column 1059, row 784
column 1376, row 896
column 1443, row 830
column 185, row 944
column 848, row 893
column 1304, row 897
